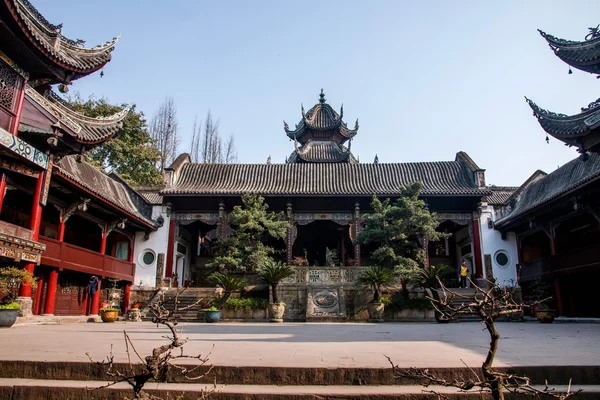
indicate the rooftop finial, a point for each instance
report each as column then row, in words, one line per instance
column 322, row 98
column 376, row 160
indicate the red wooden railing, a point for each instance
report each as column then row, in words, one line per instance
column 68, row 256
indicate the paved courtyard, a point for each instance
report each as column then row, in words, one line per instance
column 317, row 345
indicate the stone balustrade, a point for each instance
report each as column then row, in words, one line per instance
column 323, row 276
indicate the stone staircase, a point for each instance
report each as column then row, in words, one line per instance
column 464, row 295
column 186, row 299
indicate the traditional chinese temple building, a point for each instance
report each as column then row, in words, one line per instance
column 556, row 216
column 324, row 192
column 59, row 217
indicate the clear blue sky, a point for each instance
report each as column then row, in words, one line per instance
column 426, row 79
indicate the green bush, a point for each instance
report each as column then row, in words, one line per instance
column 398, row 303
column 10, row 306
column 247, row 304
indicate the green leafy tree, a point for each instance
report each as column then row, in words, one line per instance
column 131, row 153
column 244, row 250
column 397, row 230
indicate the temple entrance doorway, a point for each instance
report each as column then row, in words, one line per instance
column 324, row 243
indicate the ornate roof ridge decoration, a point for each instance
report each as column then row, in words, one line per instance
column 540, row 112
column 321, row 117
column 48, row 38
column 86, row 129
column 590, row 39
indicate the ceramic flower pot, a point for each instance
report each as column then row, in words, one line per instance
column 212, row 316
column 109, row 315
column 376, row 311
column 276, row 311
column 545, row 316
column 8, row 317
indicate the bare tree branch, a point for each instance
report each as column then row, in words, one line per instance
column 488, row 304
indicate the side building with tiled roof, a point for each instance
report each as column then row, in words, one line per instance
column 556, row 216
column 556, row 220
column 67, row 222
column 324, row 192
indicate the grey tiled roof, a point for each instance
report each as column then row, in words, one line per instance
column 584, row 55
column 565, row 127
column 100, row 184
column 322, row 151
column 84, row 129
column 500, row 194
column 570, row 176
column 438, row 178
column 49, row 40
column 152, row 195
column 322, row 117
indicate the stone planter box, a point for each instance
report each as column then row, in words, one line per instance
column 409, row 315
column 243, row 315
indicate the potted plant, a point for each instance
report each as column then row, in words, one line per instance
column 272, row 273
column 212, row 314
column 109, row 314
column 10, row 280
column 540, row 295
column 429, row 278
column 375, row 279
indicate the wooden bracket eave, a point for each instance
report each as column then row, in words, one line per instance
column 67, row 212
column 107, row 228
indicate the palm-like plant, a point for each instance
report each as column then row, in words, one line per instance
column 229, row 284
column 274, row 272
column 376, row 279
column 429, row 278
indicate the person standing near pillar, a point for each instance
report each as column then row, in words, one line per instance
column 464, row 271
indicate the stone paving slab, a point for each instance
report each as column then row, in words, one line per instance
column 318, row 344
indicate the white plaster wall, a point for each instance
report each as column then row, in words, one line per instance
column 157, row 242
column 492, row 242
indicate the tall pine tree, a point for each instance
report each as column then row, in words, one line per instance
column 397, row 230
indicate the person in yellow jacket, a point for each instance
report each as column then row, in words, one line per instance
column 463, row 274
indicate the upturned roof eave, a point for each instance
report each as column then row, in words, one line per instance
column 40, row 33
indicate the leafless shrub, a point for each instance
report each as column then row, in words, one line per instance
column 488, row 305
column 156, row 366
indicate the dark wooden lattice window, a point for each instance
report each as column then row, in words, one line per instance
column 8, row 87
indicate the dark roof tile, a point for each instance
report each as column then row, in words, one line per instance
column 438, row 178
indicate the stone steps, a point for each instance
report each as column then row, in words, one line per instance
column 287, row 376
column 76, row 380
column 14, row 389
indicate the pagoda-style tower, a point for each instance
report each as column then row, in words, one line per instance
column 580, row 130
column 320, row 135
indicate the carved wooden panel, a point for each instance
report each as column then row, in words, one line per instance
column 9, row 80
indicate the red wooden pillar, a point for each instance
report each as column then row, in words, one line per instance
column 51, row 292
column 2, row 188
column 34, row 225
column 37, row 304
column 126, row 297
column 96, row 299
column 559, row 306
column 131, row 248
column 170, row 250
column 103, row 243
column 61, row 231
column 477, row 248
column 17, row 119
